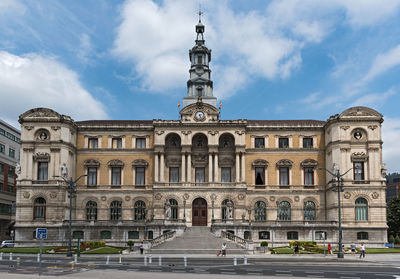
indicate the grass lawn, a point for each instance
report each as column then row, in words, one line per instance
column 381, row 250
column 282, row 250
column 25, row 250
column 104, row 250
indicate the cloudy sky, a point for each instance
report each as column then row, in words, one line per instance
column 286, row 59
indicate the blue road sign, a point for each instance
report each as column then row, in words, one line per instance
column 41, row 233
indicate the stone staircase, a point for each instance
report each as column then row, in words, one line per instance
column 197, row 240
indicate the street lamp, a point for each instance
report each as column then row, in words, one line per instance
column 339, row 181
column 250, row 233
column 71, row 190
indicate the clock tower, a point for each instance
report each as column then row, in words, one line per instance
column 200, row 86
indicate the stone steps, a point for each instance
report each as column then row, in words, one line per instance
column 197, row 240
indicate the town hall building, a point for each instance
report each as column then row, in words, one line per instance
column 256, row 180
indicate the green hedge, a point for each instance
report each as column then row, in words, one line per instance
column 93, row 244
column 302, row 243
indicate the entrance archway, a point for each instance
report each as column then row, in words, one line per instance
column 199, row 212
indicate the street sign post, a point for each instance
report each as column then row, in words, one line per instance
column 41, row 233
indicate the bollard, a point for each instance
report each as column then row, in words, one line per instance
column 38, row 257
column 18, row 261
column 120, row 258
column 245, row 259
column 145, row 260
column 184, row 261
column 234, row 260
column 1, row 256
column 150, row 258
column 108, row 260
column 75, row 258
column 159, row 260
column 11, row 256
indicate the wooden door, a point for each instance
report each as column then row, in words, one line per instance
column 199, row 212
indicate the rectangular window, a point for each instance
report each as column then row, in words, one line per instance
column 174, row 175
column 2, row 132
column 10, row 188
column 259, row 176
column 93, row 143
column 362, row 236
column 115, row 176
column 92, row 176
column 308, row 176
column 11, row 172
column 319, row 235
column 259, row 142
column 263, row 235
column 2, row 148
column 11, row 152
column 225, row 174
column 5, row 208
column 307, row 142
column 284, row 176
column 283, row 143
column 1, row 169
column 141, row 143
column 133, row 235
column 116, row 143
column 358, row 169
column 139, row 178
column 42, row 171
column 200, row 175
column 292, row 235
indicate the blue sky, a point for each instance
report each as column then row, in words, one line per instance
column 287, row 59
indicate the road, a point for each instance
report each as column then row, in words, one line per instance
column 203, row 266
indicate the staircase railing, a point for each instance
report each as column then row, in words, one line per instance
column 238, row 240
column 162, row 238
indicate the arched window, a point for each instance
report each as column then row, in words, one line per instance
column 227, row 210
column 39, row 209
column 174, row 209
column 140, row 211
column 361, row 209
column 284, row 211
column 91, row 211
column 309, row 211
column 260, row 211
column 115, row 210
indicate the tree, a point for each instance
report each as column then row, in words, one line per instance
column 130, row 243
column 397, row 240
column 391, row 239
column 393, row 216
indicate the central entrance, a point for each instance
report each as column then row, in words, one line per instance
column 199, row 212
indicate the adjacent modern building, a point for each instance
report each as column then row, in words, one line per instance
column 9, row 158
column 261, row 180
column 393, row 186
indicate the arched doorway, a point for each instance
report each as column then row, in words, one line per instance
column 199, row 212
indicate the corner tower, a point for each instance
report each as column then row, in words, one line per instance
column 200, row 86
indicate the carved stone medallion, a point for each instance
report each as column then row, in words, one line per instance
column 103, row 198
column 158, row 196
column 127, row 198
column 53, row 195
column 347, row 195
column 375, row 195
column 241, row 197
column 26, row 195
column 271, row 198
column 296, row 198
column 186, row 196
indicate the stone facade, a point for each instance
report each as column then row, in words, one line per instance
column 259, row 179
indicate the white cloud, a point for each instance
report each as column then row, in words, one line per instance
column 383, row 63
column 14, row 6
column 33, row 80
column 85, row 49
column 391, row 150
column 375, row 100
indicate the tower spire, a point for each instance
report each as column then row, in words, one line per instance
column 200, row 85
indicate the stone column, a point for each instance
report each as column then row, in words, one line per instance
column 189, row 168
column 237, row 174
column 183, row 166
column 216, row 167
column 156, row 168
column 243, row 168
column 162, row 167
column 210, row 167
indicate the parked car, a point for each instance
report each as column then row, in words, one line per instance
column 7, row 243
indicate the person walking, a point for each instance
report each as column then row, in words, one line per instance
column 223, row 249
column 141, row 248
column 362, row 250
column 330, row 249
column 296, row 249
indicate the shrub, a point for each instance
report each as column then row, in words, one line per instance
column 130, row 243
column 264, row 244
column 94, row 244
column 391, row 239
column 397, row 240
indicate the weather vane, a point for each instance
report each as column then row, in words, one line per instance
column 200, row 13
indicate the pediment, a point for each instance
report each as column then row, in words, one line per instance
column 211, row 113
column 361, row 112
column 43, row 114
